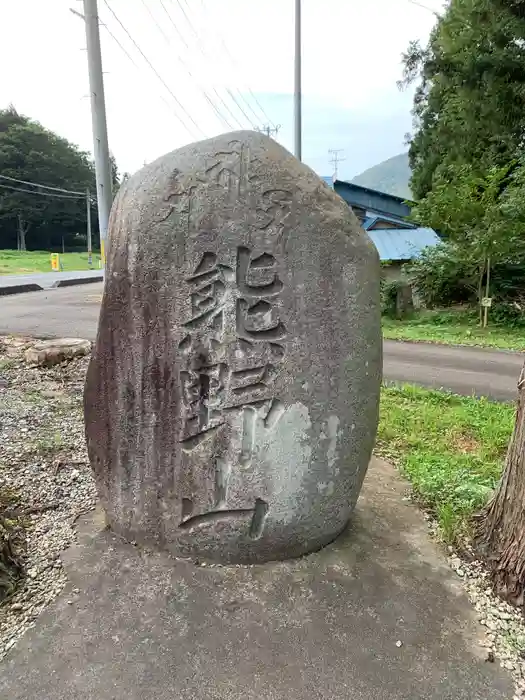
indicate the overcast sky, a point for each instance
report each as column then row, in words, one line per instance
column 351, row 61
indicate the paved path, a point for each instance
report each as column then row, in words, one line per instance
column 46, row 279
column 74, row 312
column 378, row 615
column 478, row 371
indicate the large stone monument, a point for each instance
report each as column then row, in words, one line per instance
column 232, row 398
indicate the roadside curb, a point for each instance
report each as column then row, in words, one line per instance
column 462, row 346
column 75, row 281
column 20, row 289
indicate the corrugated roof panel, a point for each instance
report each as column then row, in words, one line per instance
column 402, row 244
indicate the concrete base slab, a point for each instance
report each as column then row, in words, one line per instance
column 325, row 627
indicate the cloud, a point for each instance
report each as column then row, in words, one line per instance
column 367, row 136
column 351, row 61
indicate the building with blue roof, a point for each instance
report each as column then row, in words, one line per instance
column 384, row 217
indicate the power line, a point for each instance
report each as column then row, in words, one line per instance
column 235, row 64
column 425, row 7
column 130, row 57
column 120, row 45
column 40, row 194
column 205, row 94
column 45, row 187
column 181, row 37
column 159, row 77
column 199, row 44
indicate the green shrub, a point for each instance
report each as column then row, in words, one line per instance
column 442, row 278
column 389, row 298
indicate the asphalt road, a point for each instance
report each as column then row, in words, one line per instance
column 46, row 279
column 73, row 312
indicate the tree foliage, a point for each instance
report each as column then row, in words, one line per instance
column 467, row 151
column 31, row 153
column 482, row 221
column 468, row 158
column 469, row 106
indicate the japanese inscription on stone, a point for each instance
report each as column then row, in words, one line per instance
column 231, row 401
column 215, row 383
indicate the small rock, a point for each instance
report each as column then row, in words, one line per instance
column 52, row 352
column 50, row 394
column 399, row 643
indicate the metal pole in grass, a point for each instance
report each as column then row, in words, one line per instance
column 88, row 218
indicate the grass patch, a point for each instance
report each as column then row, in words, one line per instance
column 8, row 363
column 453, row 328
column 14, row 262
column 451, row 448
column 49, row 445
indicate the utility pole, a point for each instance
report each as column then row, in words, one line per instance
column 98, row 120
column 268, row 130
column 88, row 216
column 336, row 158
column 297, row 84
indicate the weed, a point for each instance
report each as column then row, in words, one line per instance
column 453, row 328
column 451, row 448
column 49, row 444
column 7, row 363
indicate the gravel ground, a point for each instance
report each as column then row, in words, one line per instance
column 43, row 460
column 505, row 636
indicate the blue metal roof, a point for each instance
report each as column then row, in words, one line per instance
column 378, row 202
column 402, row 244
column 372, row 219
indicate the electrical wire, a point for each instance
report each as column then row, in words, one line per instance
column 41, row 194
column 181, row 37
column 120, row 45
column 130, row 57
column 190, row 131
column 425, row 7
column 235, row 65
column 183, row 63
column 45, row 187
column 199, row 43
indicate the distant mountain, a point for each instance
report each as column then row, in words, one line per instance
column 391, row 176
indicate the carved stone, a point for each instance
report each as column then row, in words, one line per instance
column 232, row 397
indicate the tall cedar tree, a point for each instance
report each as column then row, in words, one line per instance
column 469, row 117
column 469, row 106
